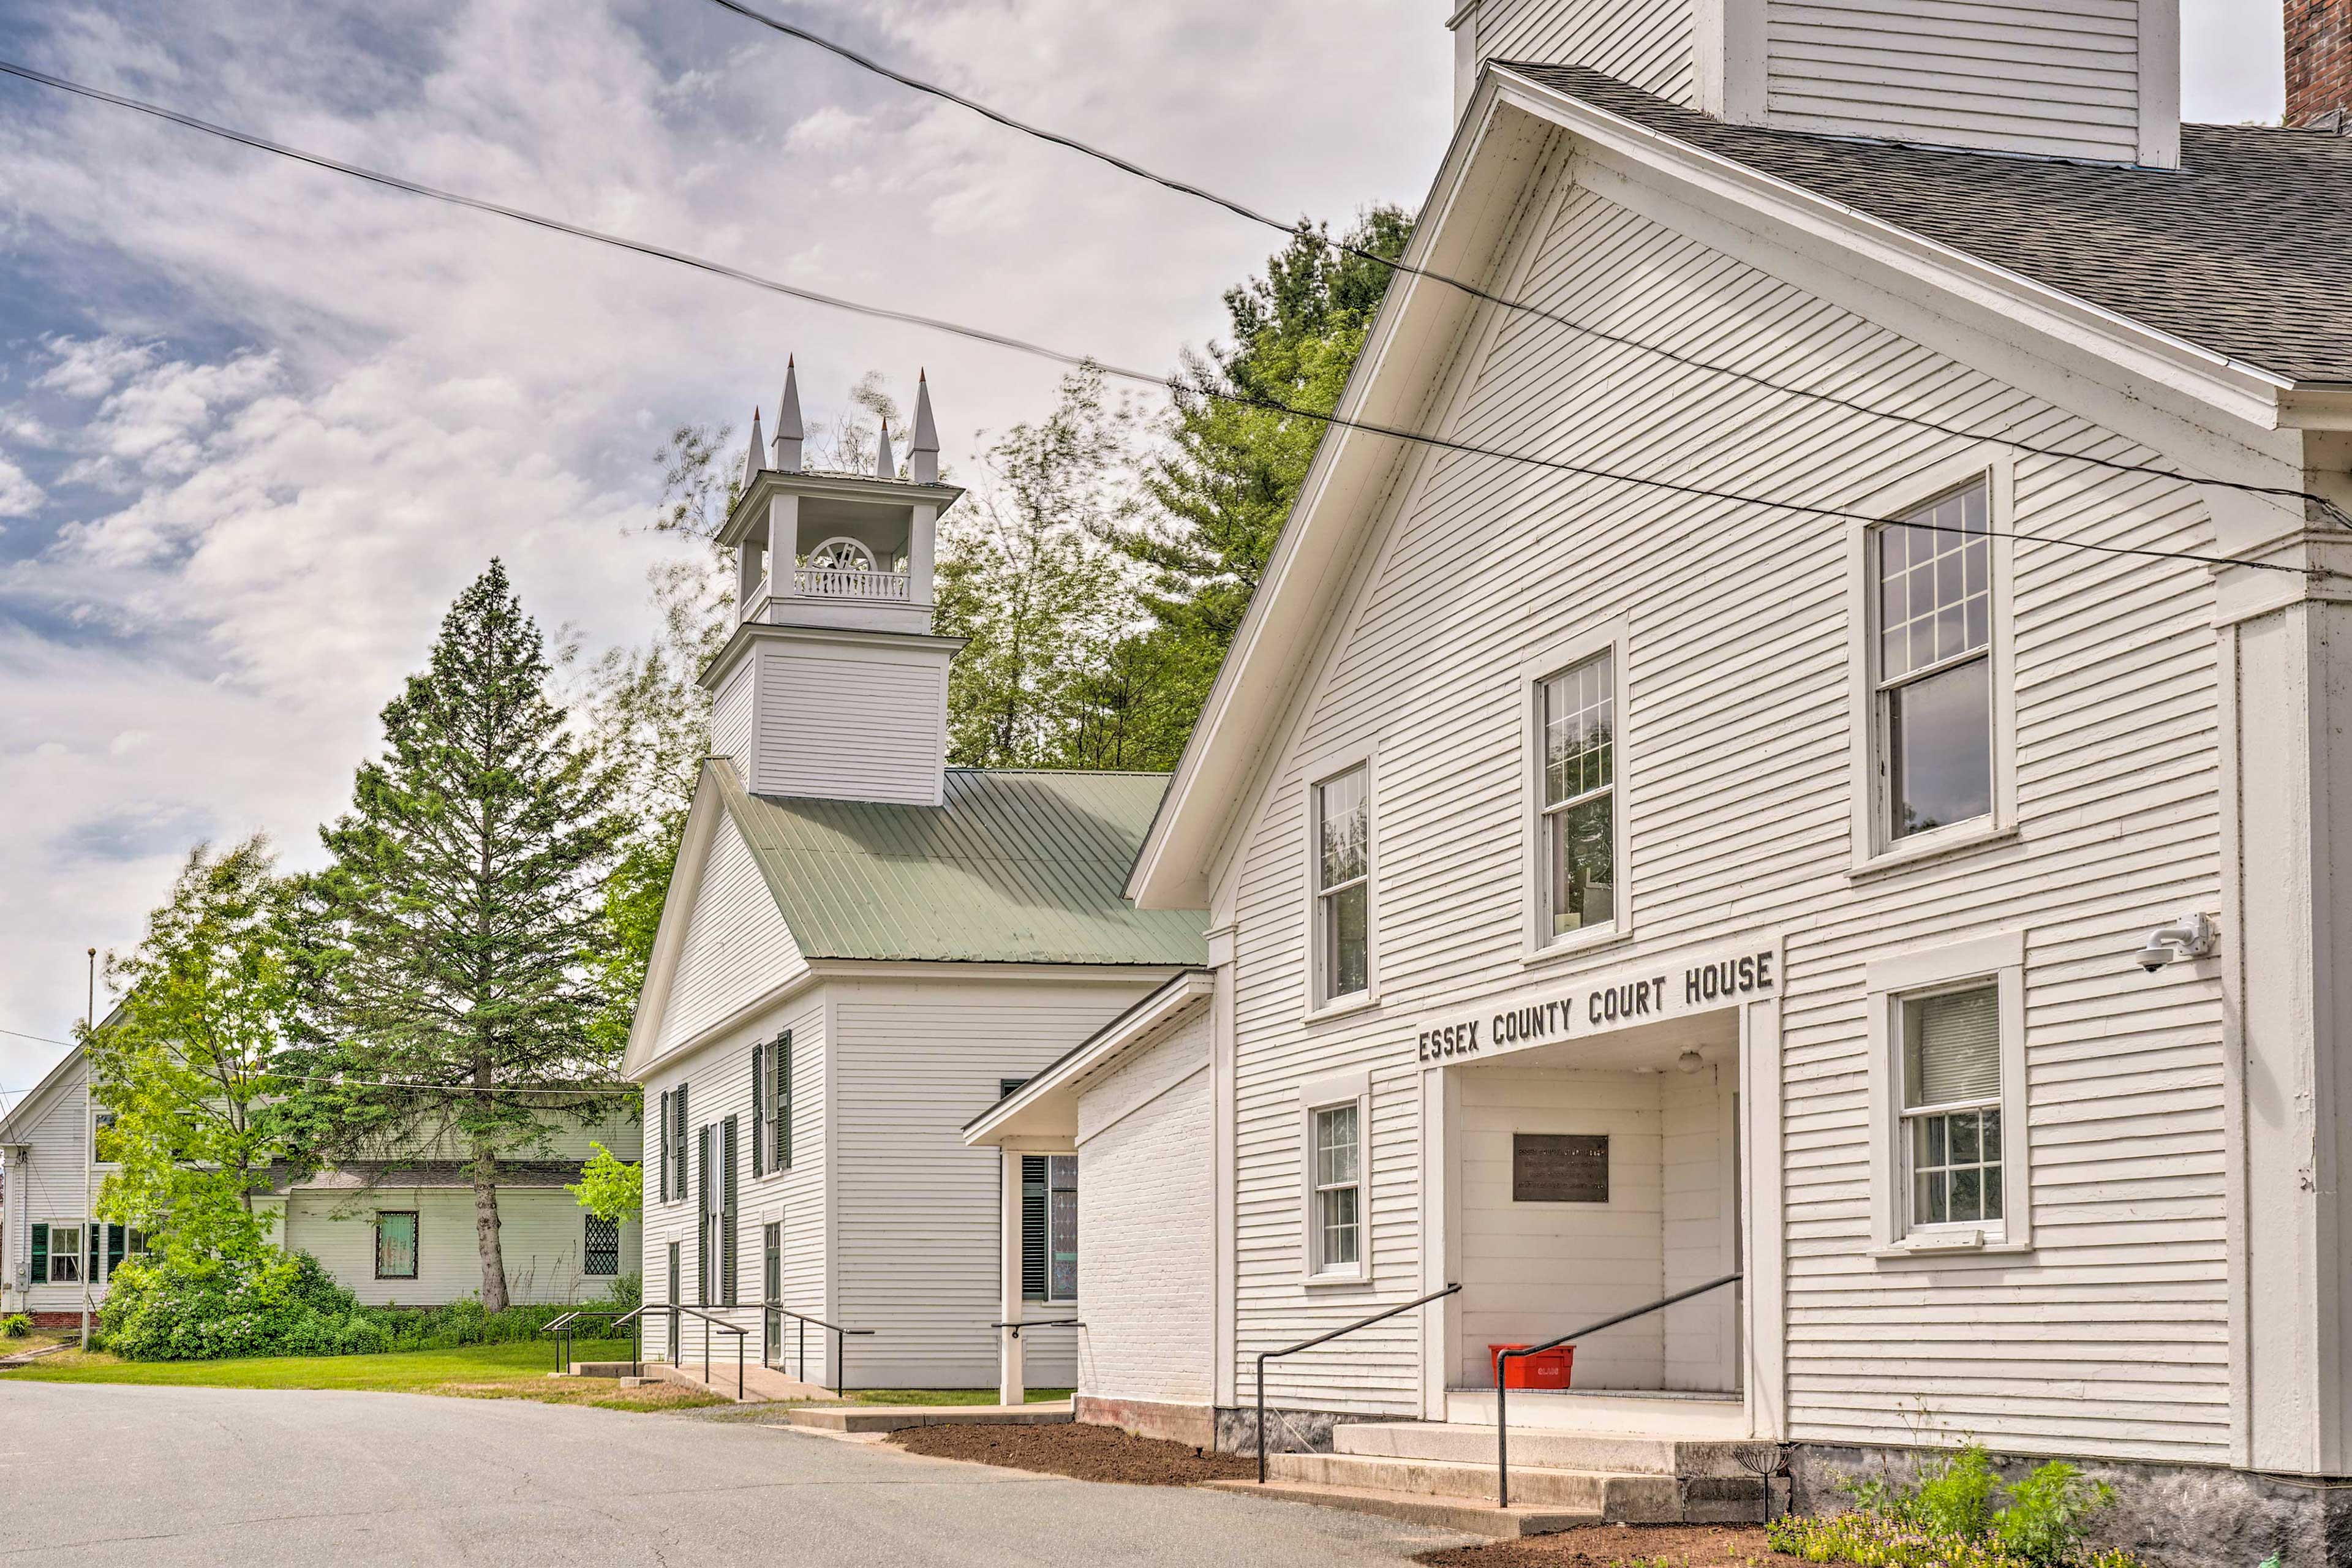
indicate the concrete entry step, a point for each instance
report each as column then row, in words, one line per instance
column 1549, row 1448
column 761, row 1385
column 1584, row 1492
column 1437, row 1512
column 868, row 1418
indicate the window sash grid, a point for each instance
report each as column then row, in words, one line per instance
column 1911, row 677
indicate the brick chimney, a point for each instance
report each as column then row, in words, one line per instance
column 2319, row 64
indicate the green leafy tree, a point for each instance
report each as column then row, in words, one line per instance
column 1024, row 576
column 609, row 1186
column 455, row 983
column 186, row 1067
column 1233, row 468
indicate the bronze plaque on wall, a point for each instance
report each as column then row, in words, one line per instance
column 1560, row 1167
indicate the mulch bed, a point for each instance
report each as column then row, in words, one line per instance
column 1088, row 1453
column 1624, row 1546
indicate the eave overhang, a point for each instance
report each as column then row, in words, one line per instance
column 1047, row 1105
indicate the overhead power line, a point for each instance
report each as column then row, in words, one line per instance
column 1601, row 334
column 44, row 1039
column 1172, row 386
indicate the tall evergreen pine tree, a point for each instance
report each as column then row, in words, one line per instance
column 460, row 914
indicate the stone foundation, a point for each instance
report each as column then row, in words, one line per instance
column 1287, row 1431
column 2177, row 1516
column 1193, row 1424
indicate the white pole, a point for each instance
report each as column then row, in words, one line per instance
column 1009, row 1377
column 86, row 1265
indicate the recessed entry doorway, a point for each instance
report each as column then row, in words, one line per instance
column 1592, row 1177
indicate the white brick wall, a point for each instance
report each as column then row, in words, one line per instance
column 1144, row 1224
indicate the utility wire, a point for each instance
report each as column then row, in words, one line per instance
column 1170, row 385
column 1304, row 231
column 44, row 1039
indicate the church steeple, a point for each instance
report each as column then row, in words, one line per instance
column 834, row 684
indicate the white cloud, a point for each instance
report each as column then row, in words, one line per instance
column 19, row 496
column 91, row 367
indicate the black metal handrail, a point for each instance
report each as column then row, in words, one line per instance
column 1016, row 1325
column 1502, row 1417
column 1264, row 1356
column 562, row 1328
column 799, row 1353
column 674, row 1309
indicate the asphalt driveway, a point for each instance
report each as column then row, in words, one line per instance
column 250, row 1478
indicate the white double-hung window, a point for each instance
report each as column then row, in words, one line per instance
column 1342, row 867
column 1933, row 696
column 1948, row 1097
column 1951, row 1107
column 1339, row 1189
column 1577, row 724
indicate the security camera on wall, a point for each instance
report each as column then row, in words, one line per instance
column 2191, row 936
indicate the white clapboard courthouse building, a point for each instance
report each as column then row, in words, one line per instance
column 863, row 948
column 1857, row 811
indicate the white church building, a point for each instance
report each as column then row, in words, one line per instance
column 861, row 948
column 1823, row 796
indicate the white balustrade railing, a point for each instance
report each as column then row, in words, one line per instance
column 828, row 582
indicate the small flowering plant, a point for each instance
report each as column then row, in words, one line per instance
column 1954, row 1518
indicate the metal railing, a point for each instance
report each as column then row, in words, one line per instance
column 841, row 1337
column 1039, row 1323
column 849, row 583
column 1264, row 1356
column 562, row 1328
column 674, row 1309
column 1502, row 1413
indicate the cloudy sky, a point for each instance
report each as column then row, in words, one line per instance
column 259, row 423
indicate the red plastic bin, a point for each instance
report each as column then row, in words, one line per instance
column 1545, row 1369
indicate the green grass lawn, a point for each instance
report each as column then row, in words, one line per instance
column 413, row 1372
column 947, row 1395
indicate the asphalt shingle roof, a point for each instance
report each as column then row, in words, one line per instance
column 1017, row 867
column 2245, row 251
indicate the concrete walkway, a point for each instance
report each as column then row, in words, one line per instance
column 246, row 1479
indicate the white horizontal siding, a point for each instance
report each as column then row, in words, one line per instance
column 2059, row 77
column 731, row 710
column 737, row 947
column 541, row 1232
column 1735, row 735
column 718, row 1080
column 870, row 725
column 1145, row 1265
column 47, row 1186
column 917, row 1210
column 1644, row 42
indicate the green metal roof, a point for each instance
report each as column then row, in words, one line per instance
column 1017, row 867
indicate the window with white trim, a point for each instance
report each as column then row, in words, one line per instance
column 1576, row 726
column 600, row 1248
column 65, row 1254
column 1049, row 1227
column 1342, row 829
column 1951, row 1136
column 1337, row 1173
column 1932, row 665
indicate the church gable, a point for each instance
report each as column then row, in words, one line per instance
column 736, row 946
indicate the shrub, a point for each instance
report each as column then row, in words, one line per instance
column 15, row 1326
column 1953, row 1517
column 284, row 1303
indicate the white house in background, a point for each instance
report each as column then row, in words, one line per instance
column 398, row 1232
column 861, row 948
column 1888, row 856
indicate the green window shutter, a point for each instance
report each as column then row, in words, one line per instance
column 677, row 1120
column 661, row 1146
column 702, row 1224
column 40, row 1254
column 758, row 1110
column 114, row 1244
column 1033, row 1227
column 726, row 1215
column 783, row 1100
column 91, row 1232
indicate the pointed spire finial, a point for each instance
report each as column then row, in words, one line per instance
column 788, row 421
column 885, row 468
column 923, row 456
column 755, row 454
